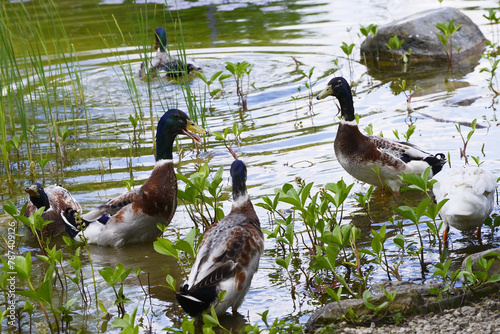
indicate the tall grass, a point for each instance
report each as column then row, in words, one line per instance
column 35, row 55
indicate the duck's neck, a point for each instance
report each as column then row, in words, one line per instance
column 346, row 105
column 242, row 204
column 164, row 146
column 41, row 200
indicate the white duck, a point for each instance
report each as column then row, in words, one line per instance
column 360, row 155
column 228, row 255
column 471, row 197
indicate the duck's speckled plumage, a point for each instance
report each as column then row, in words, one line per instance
column 55, row 199
column 360, row 155
column 228, row 256
column 133, row 217
column 471, row 197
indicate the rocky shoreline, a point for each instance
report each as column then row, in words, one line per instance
column 482, row 317
column 475, row 310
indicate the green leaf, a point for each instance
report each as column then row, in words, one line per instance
column 399, row 240
column 166, row 247
column 10, row 208
column 22, row 266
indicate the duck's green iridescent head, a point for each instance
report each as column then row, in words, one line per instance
column 161, row 39
column 171, row 124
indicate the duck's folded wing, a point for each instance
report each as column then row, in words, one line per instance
column 61, row 199
column 219, row 256
column 400, row 150
column 112, row 206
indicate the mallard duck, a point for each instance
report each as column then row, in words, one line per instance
column 228, row 255
column 471, row 197
column 55, row 199
column 360, row 155
column 133, row 216
column 163, row 63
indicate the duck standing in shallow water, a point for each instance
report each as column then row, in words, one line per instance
column 163, row 63
column 55, row 199
column 360, row 155
column 228, row 255
column 133, row 216
column 471, row 197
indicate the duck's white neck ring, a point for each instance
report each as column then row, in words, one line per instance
column 350, row 123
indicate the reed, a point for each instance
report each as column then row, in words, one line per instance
column 35, row 54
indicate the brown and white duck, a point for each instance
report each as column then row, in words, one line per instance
column 133, row 216
column 360, row 155
column 55, row 199
column 228, row 255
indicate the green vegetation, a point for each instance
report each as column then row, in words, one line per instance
column 447, row 30
column 315, row 245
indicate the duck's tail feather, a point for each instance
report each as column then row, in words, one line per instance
column 436, row 162
column 74, row 223
column 196, row 301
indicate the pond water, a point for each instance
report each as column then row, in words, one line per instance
column 282, row 140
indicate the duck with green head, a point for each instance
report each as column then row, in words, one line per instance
column 133, row 216
column 163, row 64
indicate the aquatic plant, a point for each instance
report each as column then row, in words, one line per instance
column 202, row 197
column 394, row 44
column 366, row 31
column 369, row 29
column 239, row 70
column 491, row 55
column 465, row 141
column 401, row 86
column 309, row 84
column 447, row 30
column 347, row 49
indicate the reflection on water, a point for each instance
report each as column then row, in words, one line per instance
column 282, row 139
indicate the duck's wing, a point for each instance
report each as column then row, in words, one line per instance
column 483, row 182
column 60, row 199
column 400, row 150
column 112, row 206
column 224, row 249
column 414, row 158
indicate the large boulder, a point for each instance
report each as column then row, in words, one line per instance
column 420, row 34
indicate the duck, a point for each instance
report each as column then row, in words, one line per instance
column 471, row 198
column 163, row 63
column 133, row 216
column 55, row 199
column 361, row 155
column 228, row 256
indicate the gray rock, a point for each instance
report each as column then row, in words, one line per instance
column 488, row 254
column 407, row 303
column 402, row 287
column 420, row 35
